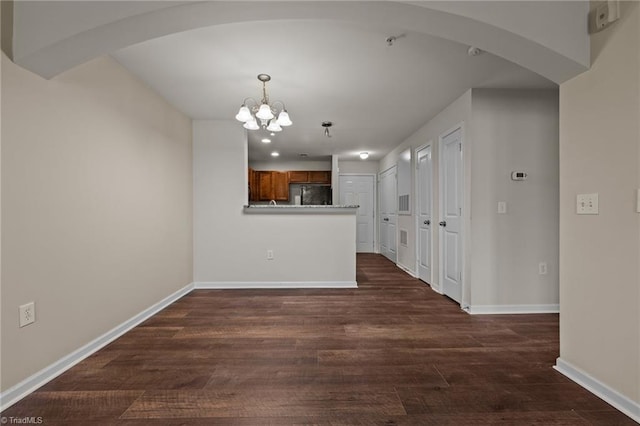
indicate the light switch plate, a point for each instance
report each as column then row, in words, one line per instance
column 502, row 207
column 637, row 200
column 587, row 204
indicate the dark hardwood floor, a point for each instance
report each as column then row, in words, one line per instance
column 391, row 352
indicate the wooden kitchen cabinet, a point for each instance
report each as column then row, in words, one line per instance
column 280, row 186
column 273, row 186
column 321, row 176
column 267, row 185
column 254, row 191
column 311, row 176
column 298, row 176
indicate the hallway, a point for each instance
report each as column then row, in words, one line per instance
column 390, row 352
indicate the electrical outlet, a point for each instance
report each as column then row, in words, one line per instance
column 542, row 268
column 587, row 204
column 27, row 314
column 269, row 254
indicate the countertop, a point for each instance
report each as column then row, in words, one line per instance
column 269, row 209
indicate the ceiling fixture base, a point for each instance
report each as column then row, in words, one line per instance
column 264, row 77
column 327, row 125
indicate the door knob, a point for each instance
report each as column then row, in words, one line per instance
column 443, row 223
column 427, row 222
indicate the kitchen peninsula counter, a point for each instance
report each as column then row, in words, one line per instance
column 299, row 209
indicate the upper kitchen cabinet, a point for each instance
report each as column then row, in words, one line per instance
column 298, row 176
column 321, row 176
column 310, row 176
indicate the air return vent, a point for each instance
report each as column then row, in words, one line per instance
column 403, row 237
column 403, row 203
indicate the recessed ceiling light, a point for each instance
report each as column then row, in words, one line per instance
column 266, row 140
column 364, row 155
column 275, row 154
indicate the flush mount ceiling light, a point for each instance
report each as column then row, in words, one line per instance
column 327, row 125
column 264, row 111
column 275, row 154
column 364, row 155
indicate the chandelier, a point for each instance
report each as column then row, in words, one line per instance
column 264, row 111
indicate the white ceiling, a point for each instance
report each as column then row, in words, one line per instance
column 376, row 95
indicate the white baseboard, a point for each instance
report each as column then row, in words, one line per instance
column 231, row 285
column 30, row 384
column 602, row 391
column 407, row 270
column 513, row 309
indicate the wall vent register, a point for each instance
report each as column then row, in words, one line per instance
column 404, row 238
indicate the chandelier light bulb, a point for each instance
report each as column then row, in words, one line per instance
column 283, row 118
column 274, row 126
column 364, row 155
column 251, row 124
column 264, row 113
column 243, row 114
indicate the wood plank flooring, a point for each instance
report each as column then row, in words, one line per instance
column 391, row 352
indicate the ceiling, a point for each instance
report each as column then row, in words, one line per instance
column 375, row 94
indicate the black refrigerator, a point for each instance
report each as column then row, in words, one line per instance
column 315, row 195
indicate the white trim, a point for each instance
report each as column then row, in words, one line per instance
column 416, row 212
column 407, row 270
column 30, row 384
column 513, row 309
column 435, row 289
column 374, row 176
column 394, row 169
column 463, row 217
column 230, row 285
column 599, row 389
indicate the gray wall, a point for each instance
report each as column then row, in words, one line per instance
column 600, row 153
column 504, row 130
column 230, row 246
column 513, row 130
column 96, row 207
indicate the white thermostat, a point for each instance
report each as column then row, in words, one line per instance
column 518, row 176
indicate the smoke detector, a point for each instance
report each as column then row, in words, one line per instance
column 474, row 51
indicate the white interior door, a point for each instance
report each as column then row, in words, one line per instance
column 388, row 213
column 424, row 213
column 451, row 193
column 360, row 190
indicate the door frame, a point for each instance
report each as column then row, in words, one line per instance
column 394, row 166
column 463, row 217
column 416, row 197
column 374, row 207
